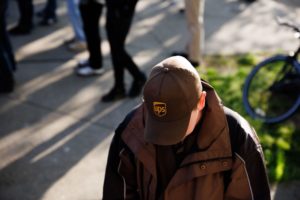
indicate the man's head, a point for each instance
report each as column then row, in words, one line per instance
column 174, row 100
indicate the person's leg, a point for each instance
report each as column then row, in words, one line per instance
column 194, row 17
column 6, row 74
column 127, row 13
column 25, row 23
column 90, row 14
column 54, row 7
column 26, row 13
column 8, row 49
column 50, row 9
column 7, row 62
column 4, row 37
column 49, row 13
column 118, row 21
column 75, row 19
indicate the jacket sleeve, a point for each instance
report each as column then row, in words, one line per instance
column 120, row 163
column 248, row 178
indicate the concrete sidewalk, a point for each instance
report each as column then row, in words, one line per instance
column 55, row 133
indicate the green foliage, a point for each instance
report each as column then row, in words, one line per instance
column 280, row 142
column 247, row 59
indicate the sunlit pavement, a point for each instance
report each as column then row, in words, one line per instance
column 55, row 133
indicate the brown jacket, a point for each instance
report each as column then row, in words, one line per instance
column 227, row 165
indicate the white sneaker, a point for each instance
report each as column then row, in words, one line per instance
column 89, row 71
column 83, row 62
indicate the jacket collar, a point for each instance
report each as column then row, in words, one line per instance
column 214, row 121
column 133, row 136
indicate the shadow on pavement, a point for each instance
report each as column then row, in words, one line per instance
column 54, row 132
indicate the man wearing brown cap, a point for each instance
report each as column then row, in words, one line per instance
column 182, row 143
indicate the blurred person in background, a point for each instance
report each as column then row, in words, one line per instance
column 118, row 21
column 194, row 14
column 78, row 43
column 91, row 11
column 48, row 14
column 7, row 60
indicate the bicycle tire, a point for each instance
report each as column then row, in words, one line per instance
column 258, row 99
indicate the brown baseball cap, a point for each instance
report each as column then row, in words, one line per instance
column 171, row 93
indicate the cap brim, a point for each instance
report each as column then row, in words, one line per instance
column 165, row 133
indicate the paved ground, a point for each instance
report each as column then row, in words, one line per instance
column 54, row 132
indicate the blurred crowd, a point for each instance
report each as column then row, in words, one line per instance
column 84, row 16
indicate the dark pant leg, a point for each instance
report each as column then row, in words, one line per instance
column 50, row 8
column 7, row 62
column 26, row 13
column 6, row 75
column 4, row 37
column 90, row 14
column 118, row 21
column 8, row 49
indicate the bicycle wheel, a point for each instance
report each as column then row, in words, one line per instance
column 268, row 94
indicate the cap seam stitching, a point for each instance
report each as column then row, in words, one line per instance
column 182, row 89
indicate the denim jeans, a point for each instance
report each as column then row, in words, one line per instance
column 75, row 18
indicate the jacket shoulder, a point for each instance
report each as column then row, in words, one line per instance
column 126, row 120
column 243, row 137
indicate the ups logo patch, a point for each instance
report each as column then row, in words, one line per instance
column 159, row 109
